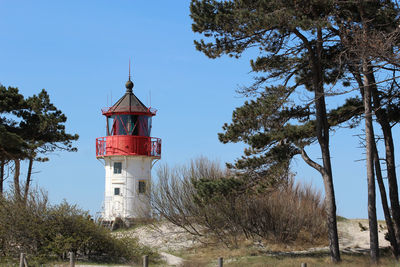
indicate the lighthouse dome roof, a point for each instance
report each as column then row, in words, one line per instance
column 129, row 103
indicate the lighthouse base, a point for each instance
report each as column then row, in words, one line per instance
column 127, row 187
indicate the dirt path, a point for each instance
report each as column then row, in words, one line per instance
column 165, row 238
column 171, row 259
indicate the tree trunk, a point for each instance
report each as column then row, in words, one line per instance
column 322, row 129
column 330, row 209
column 385, row 206
column 28, row 179
column 2, row 164
column 322, row 133
column 17, row 190
column 391, row 176
column 331, row 220
column 383, row 121
column 369, row 138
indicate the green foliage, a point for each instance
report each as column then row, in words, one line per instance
column 42, row 125
column 274, row 127
column 11, row 143
column 274, row 123
column 47, row 233
column 277, row 28
column 266, row 22
column 211, row 190
column 30, row 128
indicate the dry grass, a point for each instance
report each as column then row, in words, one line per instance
column 250, row 253
column 250, row 257
column 347, row 261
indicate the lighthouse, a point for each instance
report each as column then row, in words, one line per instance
column 128, row 152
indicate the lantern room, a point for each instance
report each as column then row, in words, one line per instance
column 128, row 124
column 128, row 131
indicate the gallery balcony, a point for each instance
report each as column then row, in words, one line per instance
column 128, row 145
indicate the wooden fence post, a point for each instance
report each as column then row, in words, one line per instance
column 304, row 264
column 21, row 260
column 145, row 261
column 71, row 259
column 220, row 262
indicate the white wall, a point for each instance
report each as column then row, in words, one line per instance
column 129, row 204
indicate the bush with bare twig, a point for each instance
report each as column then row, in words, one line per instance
column 206, row 200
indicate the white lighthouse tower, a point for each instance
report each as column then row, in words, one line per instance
column 128, row 152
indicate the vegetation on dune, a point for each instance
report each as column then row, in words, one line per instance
column 208, row 201
column 48, row 232
column 30, row 129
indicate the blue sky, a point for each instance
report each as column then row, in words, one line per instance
column 79, row 52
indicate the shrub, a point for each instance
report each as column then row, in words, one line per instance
column 284, row 214
column 206, row 200
column 46, row 233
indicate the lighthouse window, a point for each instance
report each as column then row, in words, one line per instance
column 116, row 191
column 117, row 167
column 142, row 187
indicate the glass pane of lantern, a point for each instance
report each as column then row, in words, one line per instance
column 127, row 124
column 110, row 121
column 149, row 126
column 115, row 125
column 144, row 125
column 123, row 120
column 130, row 124
column 133, row 124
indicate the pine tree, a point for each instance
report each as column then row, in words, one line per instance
column 306, row 44
column 30, row 129
column 12, row 145
column 294, row 49
column 369, row 32
column 43, row 128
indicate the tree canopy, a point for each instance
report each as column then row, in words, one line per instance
column 311, row 48
column 30, row 129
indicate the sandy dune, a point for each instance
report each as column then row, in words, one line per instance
column 166, row 237
column 354, row 234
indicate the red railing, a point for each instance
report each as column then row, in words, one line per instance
column 128, row 145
